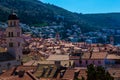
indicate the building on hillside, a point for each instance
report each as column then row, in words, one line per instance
column 111, row 40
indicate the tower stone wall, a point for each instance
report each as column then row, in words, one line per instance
column 13, row 37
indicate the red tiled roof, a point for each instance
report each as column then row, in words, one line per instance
column 74, row 57
column 26, row 68
column 83, row 74
column 8, row 74
column 69, row 74
column 115, row 72
column 25, row 77
column 99, row 55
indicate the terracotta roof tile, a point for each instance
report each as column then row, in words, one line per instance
column 83, row 74
column 69, row 74
column 115, row 72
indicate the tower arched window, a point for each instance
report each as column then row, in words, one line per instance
column 11, row 34
column 8, row 34
column 10, row 23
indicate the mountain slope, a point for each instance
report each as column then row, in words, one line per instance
column 36, row 13
column 109, row 20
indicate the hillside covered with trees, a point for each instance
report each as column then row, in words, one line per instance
column 34, row 12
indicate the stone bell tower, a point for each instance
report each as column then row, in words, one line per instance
column 13, row 37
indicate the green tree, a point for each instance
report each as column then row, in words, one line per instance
column 97, row 73
column 91, row 72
